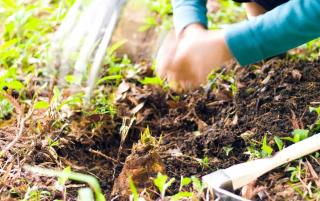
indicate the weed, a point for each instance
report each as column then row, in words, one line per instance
column 35, row 194
column 6, row 108
column 265, row 149
column 315, row 128
column 298, row 135
column 152, row 81
column 134, row 191
column 161, row 18
column 148, row 139
column 204, row 162
column 278, row 142
column 227, row 149
column 197, row 185
column 185, row 181
column 41, row 105
column 163, row 184
column 229, row 12
column 296, row 173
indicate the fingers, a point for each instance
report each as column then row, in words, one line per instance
column 165, row 55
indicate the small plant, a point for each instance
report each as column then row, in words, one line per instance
column 135, row 194
column 229, row 12
column 204, row 162
column 254, row 151
column 163, row 184
column 298, row 135
column 6, row 108
column 161, row 18
column 315, row 128
column 227, row 149
column 278, row 142
column 266, row 150
column 198, row 186
column 296, row 173
column 35, row 194
column 148, row 139
column 152, row 81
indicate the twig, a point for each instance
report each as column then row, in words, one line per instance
column 19, row 134
column 104, row 156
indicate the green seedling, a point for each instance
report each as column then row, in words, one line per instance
column 204, row 162
column 133, row 189
column 35, row 194
column 278, row 142
column 266, row 150
column 185, row 181
column 41, row 105
column 163, row 184
column 90, row 180
column 161, row 18
column 298, row 135
column 228, row 13
column 197, row 185
column 296, row 173
column 6, row 108
column 152, row 81
column 227, row 149
column 181, row 196
column 316, row 126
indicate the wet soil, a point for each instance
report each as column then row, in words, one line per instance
column 272, row 99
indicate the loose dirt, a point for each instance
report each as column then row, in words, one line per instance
column 273, row 98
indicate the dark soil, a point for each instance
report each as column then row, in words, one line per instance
column 271, row 100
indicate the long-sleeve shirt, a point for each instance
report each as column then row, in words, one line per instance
column 285, row 27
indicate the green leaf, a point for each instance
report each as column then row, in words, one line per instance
column 181, row 195
column 152, row 81
column 197, row 185
column 315, row 109
column 279, row 142
column 133, row 190
column 300, row 134
column 41, row 105
column 63, row 179
column 17, row 85
column 5, row 108
column 185, row 181
column 110, row 77
column 265, row 147
column 162, row 184
column 72, row 79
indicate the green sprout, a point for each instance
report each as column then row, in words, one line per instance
column 163, row 184
column 90, row 180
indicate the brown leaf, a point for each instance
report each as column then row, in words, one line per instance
column 296, row 75
column 313, row 174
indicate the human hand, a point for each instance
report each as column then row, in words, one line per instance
column 187, row 60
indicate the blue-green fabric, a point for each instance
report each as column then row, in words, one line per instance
column 285, row 27
column 189, row 11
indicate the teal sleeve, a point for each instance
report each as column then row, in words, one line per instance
column 186, row 12
column 275, row 32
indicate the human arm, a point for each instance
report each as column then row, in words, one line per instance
column 277, row 31
column 285, row 27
